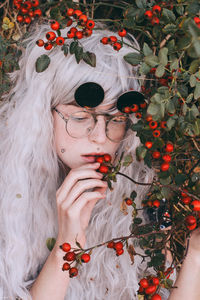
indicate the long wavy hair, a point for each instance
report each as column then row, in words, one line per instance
column 31, row 172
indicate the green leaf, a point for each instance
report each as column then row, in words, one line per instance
column 72, row 47
column 144, row 68
column 169, row 28
column 166, row 180
column 128, row 159
column 180, row 10
column 151, row 60
column 137, row 221
column 196, row 127
column 171, row 46
column 197, row 90
column 133, row 195
column 153, row 109
column 193, row 80
column 89, row 58
column 78, row 54
column 194, row 66
column 141, row 3
column 162, row 55
column 65, row 49
column 147, row 50
column 170, row 123
column 180, row 179
column 174, row 64
column 160, row 70
column 157, row 260
column 50, row 242
column 42, row 63
column 184, row 42
column 168, row 16
column 140, row 152
column 133, row 58
column 147, row 159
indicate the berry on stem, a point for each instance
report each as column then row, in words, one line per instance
column 66, row 247
column 122, row 32
column 73, row 272
column 85, row 257
column 55, row 25
column 144, row 283
column 66, row 267
column 103, row 169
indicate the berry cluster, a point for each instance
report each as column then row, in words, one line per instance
column 197, row 21
column 28, row 10
column 166, row 157
column 104, row 161
column 71, row 256
column 135, row 108
column 191, row 222
column 113, row 40
column 152, row 15
column 187, row 200
column 117, row 246
column 148, row 286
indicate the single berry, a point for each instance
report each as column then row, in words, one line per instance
column 155, row 280
column 156, row 154
column 77, row 13
column 156, row 133
column 129, row 201
column 87, row 32
column 83, row 18
column 169, row 147
column 50, row 35
column 119, row 252
column 35, row 3
column 66, row 247
column 70, row 11
column 143, row 105
column 60, row 40
column 156, row 203
column 69, row 22
column 70, row 35
column 156, row 297
column 127, row 110
column 118, row 246
column 190, row 220
column 186, row 200
column 197, row 20
column 195, row 205
column 156, row 8
column 163, row 124
column 107, row 157
column 148, row 144
column 31, row 13
column 20, row 18
column 73, row 29
column 99, row 159
column 27, row 20
column 69, row 256
column 153, row 124
column 73, row 272
column 48, row 46
column 144, row 283
column 166, row 157
column 24, row 10
column 165, row 166
column 27, row 4
column 79, row 35
column 148, row 118
column 66, row 267
column 103, row 169
column 155, row 21
column 122, row 32
column 134, row 108
column 55, row 25
column 138, row 115
column 192, row 227
column 111, row 244
column 38, row 13
column 117, row 46
column 183, row 194
column 90, row 24
column 85, row 257
column 150, row 289
column 112, row 39
column 148, row 14
column 104, row 40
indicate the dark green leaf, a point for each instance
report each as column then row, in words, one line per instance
column 184, row 42
column 151, row 60
column 180, row 179
column 42, row 63
column 160, row 70
column 128, row 159
column 50, row 242
column 141, row 3
column 162, row 56
column 147, row 159
column 147, row 50
column 141, row 152
column 65, row 49
column 137, row 221
column 168, row 16
column 72, row 47
column 169, row 28
column 133, row 58
column 89, row 58
column 78, row 54
column 133, row 195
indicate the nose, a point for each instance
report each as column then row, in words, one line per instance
column 98, row 134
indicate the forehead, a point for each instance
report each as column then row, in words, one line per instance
column 102, row 107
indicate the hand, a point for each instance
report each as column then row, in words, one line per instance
column 75, row 204
column 194, row 244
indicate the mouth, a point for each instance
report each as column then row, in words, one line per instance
column 91, row 157
column 93, row 154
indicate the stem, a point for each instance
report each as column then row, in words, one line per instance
column 140, row 183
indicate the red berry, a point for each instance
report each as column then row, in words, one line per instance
column 104, row 40
column 155, row 280
column 50, row 35
column 122, row 32
column 197, row 20
column 190, row 220
column 153, row 124
column 24, row 10
column 111, row 244
column 69, row 256
column 107, row 157
column 79, row 35
column 27, row 4
column 156, row 8
column 155, row 21
column 195, row 205
column 186, row 200
column 166, row 158
column 66, row 247
column 119, row 252
column 156, row 133
column 17, row 6
column 35, row 3
column 118, row 246
column 144, row 283
column 156, row 297
column 73, row 272
column 60, row 40
column 48, row 46
column 165, row 166
column 192, row 227
column 20, row 18
column 70, row 12
column 127, row 109
column 85, row 257
column 83, row 18
column 148, row 118
column 117, row 46
column 90, row 24
column 38, row 13
column 69, row 22
column 27, row 20
column 112, row 39
column 148, row 14
column 143, row 105
column 156, row 154
column 55, row 25
column 156, row 203
column 77, row 13
column 73, row 29
column 184, row 194
column 66, row 267
column 138, row 115
column 31, row 13
column 87, row 32
column 163, row 124
column 169, row 147
column 70, row 35
column 150, row 289
column 103, row 169
column 129, row 201
column 148, row 144
column 100, row 159
column 134, row 108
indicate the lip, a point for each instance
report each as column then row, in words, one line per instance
column 93, row 154
column 91, row 157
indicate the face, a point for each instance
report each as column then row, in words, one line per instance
column 74, row 149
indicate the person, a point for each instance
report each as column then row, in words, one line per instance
column 50, row 185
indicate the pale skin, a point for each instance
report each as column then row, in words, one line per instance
column 74, row 203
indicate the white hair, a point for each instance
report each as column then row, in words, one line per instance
column 31, row 172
